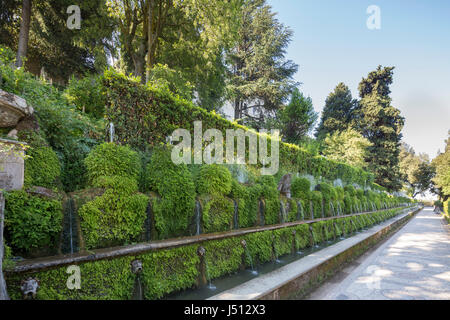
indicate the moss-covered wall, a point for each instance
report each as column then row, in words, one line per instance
column 167, row 271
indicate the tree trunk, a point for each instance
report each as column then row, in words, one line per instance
column 237, row 109
column 24, row 32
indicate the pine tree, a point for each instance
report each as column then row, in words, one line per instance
column 337, row 113
column 381, row 124
column 297, row 118
column 260, row 78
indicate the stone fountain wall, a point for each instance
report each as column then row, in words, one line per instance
column 11, row 166
column 15, row 115
column 3, row 292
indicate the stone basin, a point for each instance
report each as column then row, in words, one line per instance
column 12, row 109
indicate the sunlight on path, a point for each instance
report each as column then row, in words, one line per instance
column 413, row 264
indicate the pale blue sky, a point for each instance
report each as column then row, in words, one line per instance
column 332, row 44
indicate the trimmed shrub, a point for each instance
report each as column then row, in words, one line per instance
column 259, row 246
column 117, row 216
column 42, row 167
column 31, row 222
column 213, row 179
column 157, row 113
column 170, row 270
column 223, row 256
column 175, row 185
column 316, row 198
column 110, row 159
column 302, row 236
column 282, row 241
column 267, row 189
column 217, row 213
column 350, row 190
column 300, row 188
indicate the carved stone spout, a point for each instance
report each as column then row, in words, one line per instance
column 136, row 266
column 29, row 288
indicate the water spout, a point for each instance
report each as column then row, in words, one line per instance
column 282, row 218
column 300, row 213
column 111, row 132
column 198, row 214
column 136, row 268
column 235, row 217
column 249, row 257
column 69, row 243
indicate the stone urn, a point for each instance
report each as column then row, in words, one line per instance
column 12, row 109
column 11, row 164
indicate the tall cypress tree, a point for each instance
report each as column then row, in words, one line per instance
column 337, row 113
column 381, row 124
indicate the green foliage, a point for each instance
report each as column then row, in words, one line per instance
column 99, row 281
column 300, row 188
column 258, row 70
column 360, row 194
column 350, row 190
column 337, row 113
column 217, row 213
column 213, row 179
column 42, row 167
column 297, row 119
column 316, row 198
column 170, row 270
column 7, row 262
column 282, row 241
column 247, row 199
column 302, row 236
column 381, row 124
column 109, row 159
column 328, row 194
column 339, row 193
column 175, row 186
column 86, row 95
column 31, row 222
column 144, row 116
column 117, row 216
column 318, row 231
column 347, row 146
column 267, row 189
column 259, row 245
column 161, row 76
column 223, row 257
column 69, row 133
column 442, row 165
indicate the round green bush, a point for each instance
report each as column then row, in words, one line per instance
column 110, row 159
column 214, row 179
column 326, row 190
column 339, row 193
column 316, row 198
column 350, row 190
column 300, row 188
column 360, row 194
column 117, row 216
column 217, row 214
column 42, row 166
column 175, row 185
column 31, row 222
